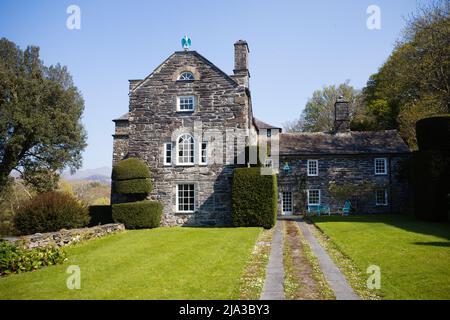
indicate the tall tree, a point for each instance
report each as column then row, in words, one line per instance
column 415, row 80
column 40, row 118
column 318, row 114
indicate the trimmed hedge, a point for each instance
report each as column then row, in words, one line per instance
column 100, row 214
column 137, row 215
column 130, row 168
column 135, row 186
column 431, row 185
column 51, row 211
column 254, row 198
column 433, row 133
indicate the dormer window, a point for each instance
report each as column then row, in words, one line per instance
column 186, row 76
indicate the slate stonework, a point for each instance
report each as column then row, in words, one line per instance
column 345, row 170
column 66, row 237
column 221, row 104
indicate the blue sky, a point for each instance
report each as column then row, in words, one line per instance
column 296, row 47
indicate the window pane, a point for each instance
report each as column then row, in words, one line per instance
column 186, row 197
column 186, row 76
column 380, row 166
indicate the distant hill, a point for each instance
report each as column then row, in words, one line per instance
column 102, row 174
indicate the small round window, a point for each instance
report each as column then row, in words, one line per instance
column 185, row 76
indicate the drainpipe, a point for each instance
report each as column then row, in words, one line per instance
column 390, row 185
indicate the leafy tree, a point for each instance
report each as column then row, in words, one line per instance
column 318, row 114
column 40, row 111
column 414, row 82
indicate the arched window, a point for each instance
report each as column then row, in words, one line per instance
column 186, row 76
column 185, row 145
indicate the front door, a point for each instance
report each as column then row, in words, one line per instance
column 286, row 203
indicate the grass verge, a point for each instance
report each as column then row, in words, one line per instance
column 252, row 280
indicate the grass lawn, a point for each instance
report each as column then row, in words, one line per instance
column 414, row 256
column 162, row 263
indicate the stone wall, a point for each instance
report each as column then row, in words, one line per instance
column 350, row 169
column 66, row 237
column 221, row 104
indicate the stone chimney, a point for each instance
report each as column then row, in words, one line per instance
column 241, row 73
column 341, row 115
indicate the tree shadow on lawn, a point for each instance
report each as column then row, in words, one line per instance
column 433, row 244
column 401, row 221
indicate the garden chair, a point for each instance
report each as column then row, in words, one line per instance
column 346, row 208
column 314, row 208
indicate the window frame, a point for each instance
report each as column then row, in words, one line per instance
column 386, row 202
column 194, row 103
column 375, row 166
column 191, row 150
column 168, row 163
column 194, row 198
column 317, row 167
column 308, row 197
column 184, row 72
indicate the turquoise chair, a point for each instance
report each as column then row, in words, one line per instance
column 346, row 208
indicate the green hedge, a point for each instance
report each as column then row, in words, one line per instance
column 254, row 198
column 130, row 168
column 135, row 186
column 100, row 214
column 433, row 133
column 137, row 215
column 431, row 184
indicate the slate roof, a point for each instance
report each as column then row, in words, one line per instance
column 123, row 117
column 262, row 125
column 353, row 142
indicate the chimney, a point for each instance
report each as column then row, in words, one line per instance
column 341, row 115
column 241, row 73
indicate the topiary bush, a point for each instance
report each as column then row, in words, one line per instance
column 131, row 177
column 137, row 215
column 100, row 214
column 254, row 198
column 433, row 133
column 130, row 168
column 135, row 186
column 431, row 185
column 51, row 211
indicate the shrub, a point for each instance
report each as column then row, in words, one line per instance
column 50, row 211
column 433, row 133
column 100, row 214
column 137, row 215
column 254, row 198
column 135, row 186
column 14, row 259
column 431, row 185
column 130, row 168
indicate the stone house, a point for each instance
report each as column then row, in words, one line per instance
column 189, row 121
